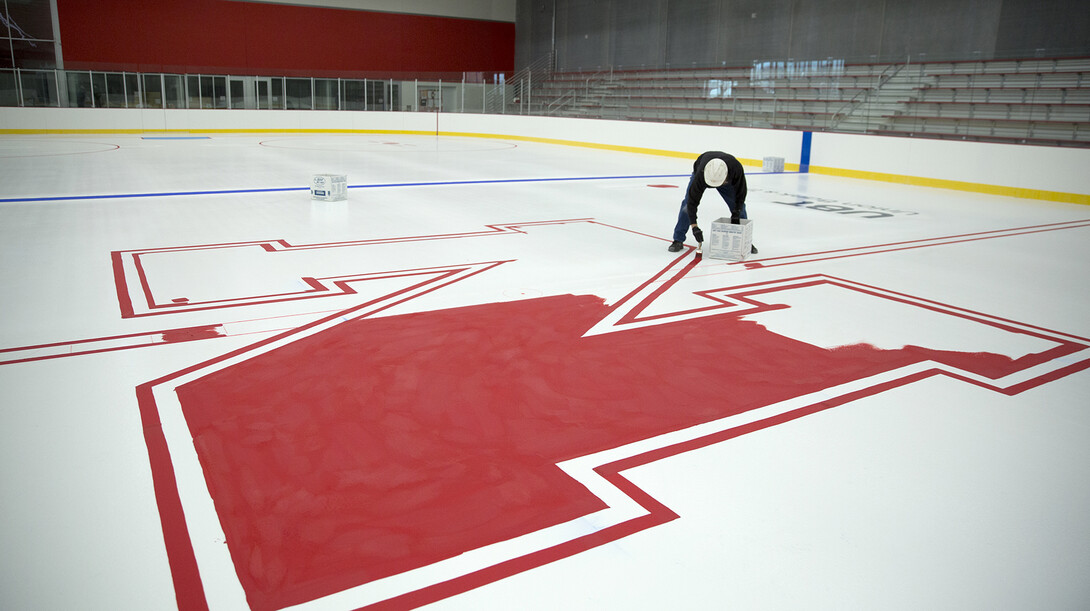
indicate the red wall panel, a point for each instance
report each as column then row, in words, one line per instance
column 228, row 36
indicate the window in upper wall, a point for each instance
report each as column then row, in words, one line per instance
column 26, row 35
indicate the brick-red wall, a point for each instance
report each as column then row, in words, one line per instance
column 251, row 38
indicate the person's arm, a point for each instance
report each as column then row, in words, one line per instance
column 691, row 209
column 740, row 192
column 692, row 197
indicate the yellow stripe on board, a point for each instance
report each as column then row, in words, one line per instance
column 611, row 147
column 591, row 145
column 958, row 185
column 919, row 181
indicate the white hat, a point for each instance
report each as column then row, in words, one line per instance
column 715, row 172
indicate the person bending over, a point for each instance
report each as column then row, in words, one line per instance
column 711, row 170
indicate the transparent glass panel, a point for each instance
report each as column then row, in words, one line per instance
column 354, row 98
column 115, row 91
column 297, row 93
column 9, row 94
column 219, row 91
column 193, row 91
column 277, row 100
column 263, row 86
column 718, row 88
column 98, row 89
column 79, row 89
column 153, row 91
column 238, row 93
column 325, row 94
column 39, row 88
column 206, row 92
column 132, row 90
column 173, row 91
column 376, row 95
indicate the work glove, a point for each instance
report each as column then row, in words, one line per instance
column 698, row 234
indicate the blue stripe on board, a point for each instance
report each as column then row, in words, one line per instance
column 14, row 200
column 804, row 158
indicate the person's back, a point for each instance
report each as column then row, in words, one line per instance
column 711, row 170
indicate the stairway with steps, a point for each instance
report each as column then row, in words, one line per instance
column 1022, row 101
column 876, row 108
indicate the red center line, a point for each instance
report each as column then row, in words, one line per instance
column 24, row 354
column 175, row 335
column 858, row 251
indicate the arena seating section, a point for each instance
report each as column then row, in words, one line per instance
column 1033, row 101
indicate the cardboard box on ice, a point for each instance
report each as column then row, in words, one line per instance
column 772, row 164
column 729, row 241
column 329, row 187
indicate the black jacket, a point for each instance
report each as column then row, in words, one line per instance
column 736, row 181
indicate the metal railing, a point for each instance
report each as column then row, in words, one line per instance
column 1033, row 101
column 94, row 89
column 855, row 102
column 517, row 92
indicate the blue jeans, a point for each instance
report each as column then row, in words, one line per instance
column 682, row 228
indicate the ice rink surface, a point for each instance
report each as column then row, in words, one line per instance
column 482, row 382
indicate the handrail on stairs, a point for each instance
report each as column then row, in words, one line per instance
column 538, row 70
column 848, row 107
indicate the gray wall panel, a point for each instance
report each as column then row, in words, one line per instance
column 836, row 28
column 533, row 30
column 940, row 28
column 582, row 34
column 1026, row 25
column 692, row 32
column 756, row 30
column 639, row 33
column 598, row 34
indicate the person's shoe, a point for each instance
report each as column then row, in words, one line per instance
column 752, row 249
column 675, row 246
